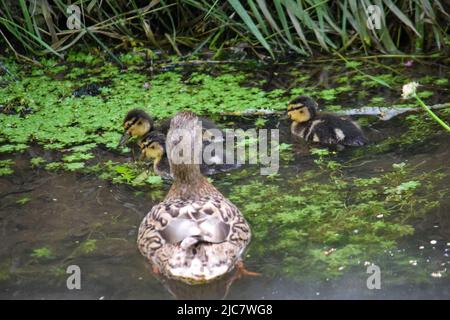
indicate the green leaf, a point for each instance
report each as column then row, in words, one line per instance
column 23, row 200
column 250, row 24
column 154, row 180
column 37, row 161
column 43, row 252
column 88, row 246
column 73, row 166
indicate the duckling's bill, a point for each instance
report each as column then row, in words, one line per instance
column 298, row 113
column 136, row 124
column 124, row 139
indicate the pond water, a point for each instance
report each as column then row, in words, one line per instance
column 318, row 224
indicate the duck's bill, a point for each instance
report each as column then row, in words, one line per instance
column 124, row 139
column 285, row 116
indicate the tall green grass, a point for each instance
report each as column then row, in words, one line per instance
column 273, row 26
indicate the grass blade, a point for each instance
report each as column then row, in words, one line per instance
column 250, row 24
column 400, row 15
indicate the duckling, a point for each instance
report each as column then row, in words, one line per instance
column 323, row 128
column 137, row 123
column 195, row 235
column 153, row 146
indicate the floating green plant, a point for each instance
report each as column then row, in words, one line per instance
column 24, row 200
column 318, row 229
column 88, row 246
column 5, row 167
column 37, row 161
column 133, row 174
column 42, row 253
column 409, row 91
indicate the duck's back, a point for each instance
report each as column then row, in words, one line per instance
column 194, row 240
column 207, row 124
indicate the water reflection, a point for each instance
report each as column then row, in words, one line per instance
column 215, row 290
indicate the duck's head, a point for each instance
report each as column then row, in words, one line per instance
column 153, row 145
column 302, row 109
column 136, row 124
column 184, row 145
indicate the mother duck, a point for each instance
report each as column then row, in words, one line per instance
column 195, row 235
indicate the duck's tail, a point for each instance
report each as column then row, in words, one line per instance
column 201, row 262
column 189, row 242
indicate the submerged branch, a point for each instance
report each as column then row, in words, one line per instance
column 383, row 113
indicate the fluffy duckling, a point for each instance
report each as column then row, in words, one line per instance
column 195, row 235
column 137, row 123
column 323, row 128
column 153, row 146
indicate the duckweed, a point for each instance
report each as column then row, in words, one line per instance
column 5, row 167
column 42, row 253
column 88, row 246
column 359, row 218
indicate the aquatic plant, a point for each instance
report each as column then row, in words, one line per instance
column 23, row 200
column 409, row 91
column 132, row 174
column 5, row 167
column 42, row 253
column 88, row 246
column 319, row 227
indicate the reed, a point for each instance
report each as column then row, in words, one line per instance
column 277, row 27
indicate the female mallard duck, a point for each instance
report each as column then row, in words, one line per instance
column 195, row 235
column 153, row 146
column 323, row 128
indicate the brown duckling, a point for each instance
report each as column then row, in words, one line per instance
column 153, row 146
column 195, row 235
column 137, row 123
column 323, row 128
